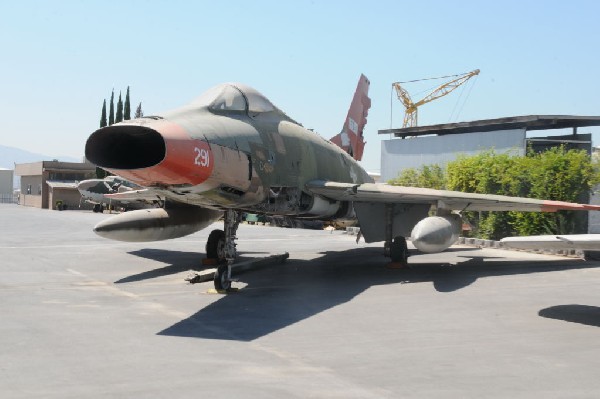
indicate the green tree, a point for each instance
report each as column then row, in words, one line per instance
column 111, row 115
column 428, row 176
column 127, row 109
column 103, row 116
column 119, row 117
column 101, row 173
column 557, row 174
column 138, row 112
column 485, row 173
column 406, row 177
column 561, row 175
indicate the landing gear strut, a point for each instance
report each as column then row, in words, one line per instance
column 398, row 252
column 397, row 249
column 221, row 246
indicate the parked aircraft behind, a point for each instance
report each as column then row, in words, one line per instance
column 232, row 151
column 94, row 191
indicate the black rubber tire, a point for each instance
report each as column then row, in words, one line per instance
column 221, row 281
column 399, row 250
column 215, row 245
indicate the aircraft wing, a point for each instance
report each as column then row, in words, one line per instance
column 565, row 241
column 444, row 199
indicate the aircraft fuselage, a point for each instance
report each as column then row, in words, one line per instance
column 228, row 152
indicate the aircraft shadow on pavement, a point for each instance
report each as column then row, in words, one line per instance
column 582, row 314
column 449, row 277
column 281, row 295
column 178, row 261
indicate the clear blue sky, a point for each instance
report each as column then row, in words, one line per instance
column 60, row 59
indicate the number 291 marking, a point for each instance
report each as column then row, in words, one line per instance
column 202, row 157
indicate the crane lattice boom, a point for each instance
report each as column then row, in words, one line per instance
column 410, row 116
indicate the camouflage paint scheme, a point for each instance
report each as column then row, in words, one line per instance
column 229, row 148
column 233, row 149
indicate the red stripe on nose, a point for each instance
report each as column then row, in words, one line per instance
column 186, row 161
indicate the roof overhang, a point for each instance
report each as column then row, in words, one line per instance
column 528, row 122
column 62, row 184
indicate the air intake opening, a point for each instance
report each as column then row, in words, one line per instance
column 125, row 147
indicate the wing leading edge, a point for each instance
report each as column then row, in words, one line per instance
column 443, row 199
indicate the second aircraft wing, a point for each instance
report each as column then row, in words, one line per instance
column 443, row 199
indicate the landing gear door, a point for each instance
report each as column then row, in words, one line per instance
column 372, row 219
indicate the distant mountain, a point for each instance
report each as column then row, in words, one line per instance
column 10, row 155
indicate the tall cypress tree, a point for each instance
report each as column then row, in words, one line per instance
column 138, row 112
column 119, row 117
column 103, row 117
column 111, row 116
column 127, row 111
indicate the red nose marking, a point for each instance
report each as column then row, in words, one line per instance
column 187, row 160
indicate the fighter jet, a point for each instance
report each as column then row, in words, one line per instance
column 94, row 191
column 232, row 151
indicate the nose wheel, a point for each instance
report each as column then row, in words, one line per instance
column 215, row 245
column 220, row 247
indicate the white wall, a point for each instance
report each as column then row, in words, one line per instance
column 398, row 154
column 6, row 181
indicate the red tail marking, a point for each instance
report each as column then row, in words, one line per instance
column 351, row 137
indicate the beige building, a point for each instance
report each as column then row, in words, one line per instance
column 46, row 182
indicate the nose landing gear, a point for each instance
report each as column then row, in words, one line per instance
column 220, row 247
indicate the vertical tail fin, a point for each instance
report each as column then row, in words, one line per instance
column 351, row 139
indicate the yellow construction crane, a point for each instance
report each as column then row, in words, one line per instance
column 410, row 116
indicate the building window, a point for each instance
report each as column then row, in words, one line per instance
column 39, row 189
column 29, row 189
column 68, row 176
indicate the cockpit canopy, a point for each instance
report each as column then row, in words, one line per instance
column 234, row 97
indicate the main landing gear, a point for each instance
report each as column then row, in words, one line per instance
column 220, row 247
column 397, row 251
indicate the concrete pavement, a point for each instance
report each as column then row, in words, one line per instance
column 85, row 317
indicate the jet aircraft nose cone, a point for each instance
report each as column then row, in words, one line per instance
column 151, row 153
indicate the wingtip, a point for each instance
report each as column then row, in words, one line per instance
column 553, row 206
